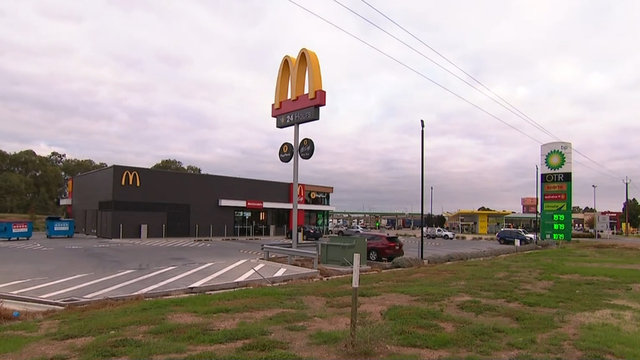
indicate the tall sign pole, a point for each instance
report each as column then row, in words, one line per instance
column 536, row 225
column 295, row 108
column 556, row 170
column 422, row 227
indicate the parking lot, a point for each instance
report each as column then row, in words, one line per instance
column 84, row 268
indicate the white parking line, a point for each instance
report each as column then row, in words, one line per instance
column 87, row 284
column 211, row 277
column 129, row 282
column 173, row 279
column 49, row 283
column 280, row 272
column 14, row 282
column 249, row 273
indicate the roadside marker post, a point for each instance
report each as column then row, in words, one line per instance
column 355, row 283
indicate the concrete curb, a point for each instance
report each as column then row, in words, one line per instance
column 163, row 293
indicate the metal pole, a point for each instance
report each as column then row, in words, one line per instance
column 595, row 213
column 120, row 231
column 225, row 231
column 211, row 230
column 537, row 225
column 431, row 205
column 197, row 231
column 421, row 190
column 626, row 206
column 164, row 230
column 294, row 221
column 355, row 283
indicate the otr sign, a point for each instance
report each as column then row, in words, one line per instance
column 556, row 222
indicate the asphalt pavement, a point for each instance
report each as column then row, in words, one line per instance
column 89, row 268
column 443, row 247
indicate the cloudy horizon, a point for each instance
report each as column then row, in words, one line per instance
column 132, row 83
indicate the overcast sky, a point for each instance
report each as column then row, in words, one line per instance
column 132, row 82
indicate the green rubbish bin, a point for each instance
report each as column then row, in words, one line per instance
column 339, row 251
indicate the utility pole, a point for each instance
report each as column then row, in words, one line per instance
column 421, row 190
column 626, row 182
column 431, row 200
column 595, row 212
column 536, row 225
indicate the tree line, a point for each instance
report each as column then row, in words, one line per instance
column 31, row 183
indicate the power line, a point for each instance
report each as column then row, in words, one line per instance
column 519, row 113
column 432, row 81
column 414, row 71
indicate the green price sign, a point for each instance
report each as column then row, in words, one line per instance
column 556, row 222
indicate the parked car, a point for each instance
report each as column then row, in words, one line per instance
column 531, row 237
column 336, row 229
column 308, row 233
column 432, row 233
column 509, row 236
column 355, row 229
column 381, row 246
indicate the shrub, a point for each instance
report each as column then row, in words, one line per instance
column 582, row 235
column 406, row 262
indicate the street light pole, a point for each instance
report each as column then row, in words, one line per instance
column 422, row 190
column 595, row 212
column 431, row 206
column 537, row 225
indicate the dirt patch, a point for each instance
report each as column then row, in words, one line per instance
column 299, row 345
column 626, row 303
column 377, row 305
column 184, row 318
column 538, row 286
column 426, row 354
column 500, row 275
column 624, row 319
column 608, row 265
column 578, row 277
column 229, row 321
column 314, row 303
column 448, row 327
column 48, row 349
column 635, row 287
column 331, row 323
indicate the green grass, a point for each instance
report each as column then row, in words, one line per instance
column 549, row 304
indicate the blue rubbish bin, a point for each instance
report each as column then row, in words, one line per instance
column 56, row 226
column 16, row 230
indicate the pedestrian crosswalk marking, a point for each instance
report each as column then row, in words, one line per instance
column 162, row 283
column 211, row 277
column 48, row 284
column 141, row 281
column 129, row 282
column 87, row 284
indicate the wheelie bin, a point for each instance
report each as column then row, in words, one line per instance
column 58, row 227
column 16, row 229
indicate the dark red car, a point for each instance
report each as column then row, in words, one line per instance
column 381, row 246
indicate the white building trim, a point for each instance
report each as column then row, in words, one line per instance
column 65, row 201
column 275, row 205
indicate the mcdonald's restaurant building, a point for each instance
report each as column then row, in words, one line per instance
column 129, row 202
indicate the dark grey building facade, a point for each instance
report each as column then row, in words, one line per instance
column 130, row 202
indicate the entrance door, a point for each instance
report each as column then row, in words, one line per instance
column 177, row 224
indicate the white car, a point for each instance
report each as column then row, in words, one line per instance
column 432, row 233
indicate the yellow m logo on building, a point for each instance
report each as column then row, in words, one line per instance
column 294, row 71
column 130, row 175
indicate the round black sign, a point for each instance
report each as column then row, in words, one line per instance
column 286, row 152
column 306, row 148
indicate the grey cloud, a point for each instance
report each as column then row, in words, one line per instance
column 195, row 82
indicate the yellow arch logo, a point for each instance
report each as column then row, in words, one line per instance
column 130, row 175
column 293, row 72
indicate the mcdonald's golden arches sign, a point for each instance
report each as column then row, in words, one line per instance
column 130, row 176
column 292, row 74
